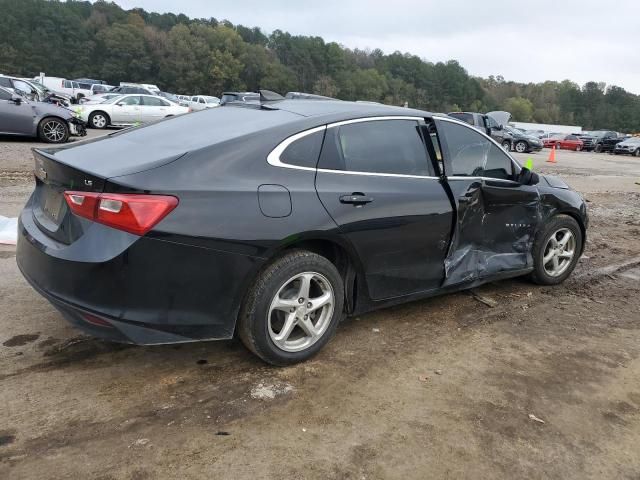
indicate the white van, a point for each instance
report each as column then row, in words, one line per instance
column 61, row 85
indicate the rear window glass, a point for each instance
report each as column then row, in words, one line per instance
column 304, row 152
column 465, row 117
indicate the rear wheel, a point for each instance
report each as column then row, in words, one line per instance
column 637, row 152
column 293, row 308
column 556, row 250
column 598, row 148
column 99, row 120
column 558, row 146
column 506, row 145
column 53, row 130
column 578, row 148
column 521, row 147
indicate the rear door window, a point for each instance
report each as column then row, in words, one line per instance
column 5, row 82
column 154, row 102
column 379, row 146
column 4, row 95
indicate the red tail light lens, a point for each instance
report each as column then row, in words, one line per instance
column 130, row 212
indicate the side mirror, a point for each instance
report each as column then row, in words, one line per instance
column 527, row 177
column 17, row 99
column 119, row 104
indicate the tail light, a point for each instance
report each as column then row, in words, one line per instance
column 130, row 212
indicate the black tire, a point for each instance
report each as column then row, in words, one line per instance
column 53, row 130
column 637, row 152
column 558, row 146
column 253, row 328
column 578, row 148
column 598, row 149
column 506, row 145
column 539, row 274
column 94, row 120
column 521, row 147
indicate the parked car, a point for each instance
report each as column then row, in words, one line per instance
column 629, row 146
column 90, row 81
column 535, row 133
column 243, row 220
column 127, row 110
column 605, row 140
column 521, row 142
column 566, row 142
column 202, row 102
column 147, row 86
column 588, row 141
column 491, row 123
column 231, row 97
column 90, row 89
column 127, row 89
column 50, row 123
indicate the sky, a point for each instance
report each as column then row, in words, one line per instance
column 524, row 41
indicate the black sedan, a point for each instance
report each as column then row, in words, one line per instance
column 275, row 220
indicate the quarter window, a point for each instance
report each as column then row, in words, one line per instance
column 4, row 95
column 377, row 146
column 473, row 155
column 133, row 100
column 303, row 152
column 6, row 82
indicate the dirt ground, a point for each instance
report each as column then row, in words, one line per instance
column 544, row 385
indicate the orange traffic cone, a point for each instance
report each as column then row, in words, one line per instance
column 552, row 155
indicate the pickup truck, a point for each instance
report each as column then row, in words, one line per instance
column 491, row 123
column 605, row 140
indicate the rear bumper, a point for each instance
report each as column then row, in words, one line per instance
column 139, row 290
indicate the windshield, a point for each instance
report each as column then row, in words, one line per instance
column 112, row 99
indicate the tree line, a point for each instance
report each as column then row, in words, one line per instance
column 207, row 56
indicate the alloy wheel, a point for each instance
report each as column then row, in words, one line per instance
column 559, row 252
column 53, row 131
column 99, row 121
column 506, row 146
column 301, row 311
column 521, row 147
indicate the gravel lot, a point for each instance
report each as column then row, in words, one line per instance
column 544, row 385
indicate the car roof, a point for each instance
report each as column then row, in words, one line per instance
column 314, row 108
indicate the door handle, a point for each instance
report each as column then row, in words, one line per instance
column 464, row 199
column 356, row 199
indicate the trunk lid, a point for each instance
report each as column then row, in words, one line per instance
column 50, row 210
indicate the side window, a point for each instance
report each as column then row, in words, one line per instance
column 133, row 100
column 201, row 100
column 473, row 155
column 67, row 84
column 303, row 152
column 380, row 146
column 5, row 82
column 4, row 95
column 153, row 102
column 22, row 86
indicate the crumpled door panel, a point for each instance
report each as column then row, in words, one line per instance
column 494, row 231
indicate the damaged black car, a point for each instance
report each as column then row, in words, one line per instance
column 274, row 221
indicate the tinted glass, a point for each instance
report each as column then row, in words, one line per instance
column 465, row 117
column 387, row 146
column 304, row 152
column 67, row 84
column 5, row 82
column 4, row 95
column 473, row 155
column 154, row 102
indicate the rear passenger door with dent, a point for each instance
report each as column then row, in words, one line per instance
column 496, row 216
column 376, row 180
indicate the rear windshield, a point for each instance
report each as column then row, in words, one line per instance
column 465, row 117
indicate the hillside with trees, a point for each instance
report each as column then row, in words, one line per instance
column 207, row 56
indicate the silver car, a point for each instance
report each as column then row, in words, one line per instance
column 50, row 123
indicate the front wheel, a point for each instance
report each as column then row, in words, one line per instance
column 637, row 152
column 506, row 145
column 598, row 149
column 99, row 120
column 578, row 148
column 53, row 130
column 293, row 308
column 521, row 147
column 556, row 250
